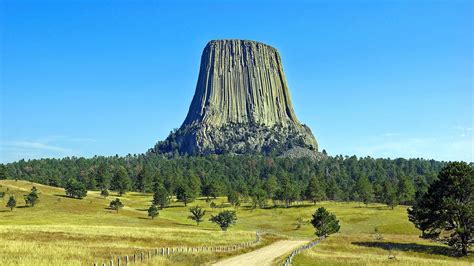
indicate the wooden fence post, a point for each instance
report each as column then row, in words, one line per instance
column 111, row 263
column 126, row 260
column 118, row 260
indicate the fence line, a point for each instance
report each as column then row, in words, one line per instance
column 297, row 251
column 168, row 251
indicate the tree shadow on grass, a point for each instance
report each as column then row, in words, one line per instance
column 409, row 247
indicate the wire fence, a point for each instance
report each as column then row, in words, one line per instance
column 120, row 260
column 297, row 251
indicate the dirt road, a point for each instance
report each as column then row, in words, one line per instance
column 263, row 256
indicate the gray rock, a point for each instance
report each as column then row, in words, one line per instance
column 241, row 105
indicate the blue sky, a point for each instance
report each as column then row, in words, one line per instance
column 371, row 78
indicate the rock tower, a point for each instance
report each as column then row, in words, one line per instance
column 241, row 105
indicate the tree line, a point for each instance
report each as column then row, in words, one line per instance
column 255, row 179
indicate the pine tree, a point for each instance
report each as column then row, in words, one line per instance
column 224, row 219
column 116, row 204
column 75, row 189
column 325, row 222
column 233, row 198
column 406, row 191
column 446, row 211
column 104, row 193
column 153, row 211
column 120, row 181
column 315, row 191
column 32, row 197
column 364, row 189
column 197, row 214
column 102, row 177
column 11, row 203
column 390, row 193
column 160, row 196
column 3, row 172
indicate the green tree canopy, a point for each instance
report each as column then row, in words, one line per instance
column 104, row 193
column 160, row 196
column 446, row 211
column 315, row 190
column 11, row 203
column 75, row 189
column 197, row 214
column 32, row 198
column 224, row 219
column 116, row 204
column 364, row 189
column 325, row 222
column 120, row 181
column 153, row 211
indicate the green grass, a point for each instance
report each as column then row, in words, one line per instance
column 61, row 230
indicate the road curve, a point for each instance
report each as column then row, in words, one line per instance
column 263, row 256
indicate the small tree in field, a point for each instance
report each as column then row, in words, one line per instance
column 11, row 203
column 153, row 211
column 446, row 212
column 197, row 214
column 116, row 204
column 224, row 219
column 104, row 193
column 32, row 198
column 325, row 222
column 160, row 196
column 213, row 205
column 75, row 189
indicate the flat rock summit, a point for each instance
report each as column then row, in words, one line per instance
column 241, row 105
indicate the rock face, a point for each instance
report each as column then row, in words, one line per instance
column 241, row 105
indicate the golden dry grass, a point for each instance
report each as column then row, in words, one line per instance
column 65, row 231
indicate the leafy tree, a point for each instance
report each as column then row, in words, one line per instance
column 446, row 211
column 116, row 204
column 325, row 222
column 153, row 211
column 364, row 189
column 315, row 191
column 75, row 189
column 160, row 196
column 104, row 193
column 197, row 214
column 11, row 203
column 406, row 191
column 390, row 193
column 32, row 197
column 120, row 181
column 224, row 219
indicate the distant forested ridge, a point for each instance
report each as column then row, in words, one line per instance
column 244, row 177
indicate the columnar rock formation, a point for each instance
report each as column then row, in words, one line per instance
column 241, row 105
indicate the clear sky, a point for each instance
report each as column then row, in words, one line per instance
column 370, row 78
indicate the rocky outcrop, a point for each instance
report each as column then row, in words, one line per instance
column 241, row 104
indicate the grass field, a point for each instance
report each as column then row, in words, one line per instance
column 61, row 230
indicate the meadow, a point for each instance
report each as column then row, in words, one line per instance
column 61, row 230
